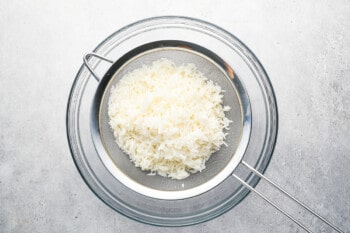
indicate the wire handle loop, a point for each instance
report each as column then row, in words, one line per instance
column 288, row 195
column 86, row 63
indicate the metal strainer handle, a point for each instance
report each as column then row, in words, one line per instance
column 86, row 62
column 285, row 193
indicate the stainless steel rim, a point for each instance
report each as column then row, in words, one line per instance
column 173, row 195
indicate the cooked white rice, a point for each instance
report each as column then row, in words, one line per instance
column 169, row 119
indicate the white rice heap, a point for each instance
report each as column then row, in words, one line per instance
column 169, row 119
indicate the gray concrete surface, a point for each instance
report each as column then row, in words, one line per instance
column 304, row 46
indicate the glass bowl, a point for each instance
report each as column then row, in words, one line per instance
column 117, row 192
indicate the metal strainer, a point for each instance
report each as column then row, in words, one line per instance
column 202, row 196
column 219, row 166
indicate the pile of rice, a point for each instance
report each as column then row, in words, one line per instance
column 169, row 119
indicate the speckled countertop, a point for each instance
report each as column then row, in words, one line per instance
column 303, row 45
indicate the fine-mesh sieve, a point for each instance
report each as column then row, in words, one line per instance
column 219, row 166
column 202, row 196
